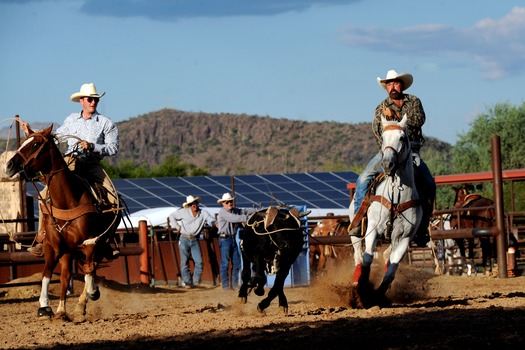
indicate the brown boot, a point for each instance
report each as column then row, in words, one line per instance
column 36, row 250
column 356, row 231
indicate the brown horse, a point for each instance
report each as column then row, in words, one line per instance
column 481, row 214
column 321, row 254
column 77, row 226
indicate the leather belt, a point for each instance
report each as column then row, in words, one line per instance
column 224, row 235
column 183, row 235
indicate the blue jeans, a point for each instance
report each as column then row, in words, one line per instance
column 229, row 252
column 190, row 247
column 425, row 183
column 365, row 178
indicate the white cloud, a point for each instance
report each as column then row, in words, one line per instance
column 498, row 45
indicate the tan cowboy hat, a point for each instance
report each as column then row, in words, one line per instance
column 406, row 78
column 226, row 197
column 190, row 199
column 86, row 90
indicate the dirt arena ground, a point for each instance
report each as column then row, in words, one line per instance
column 428, row 312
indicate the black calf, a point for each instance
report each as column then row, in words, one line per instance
column 271, row 242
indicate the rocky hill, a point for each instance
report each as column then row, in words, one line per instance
column 233, row 144
column 227, row 144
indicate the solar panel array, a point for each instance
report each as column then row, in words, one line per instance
column 315, row 190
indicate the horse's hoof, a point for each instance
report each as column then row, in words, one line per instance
column 259, row 291
column 284, row 309
column 79, row 319
column 260, row 309
column 243, row 300
column 45, row 311
column 80, row 309
column 382, row 300
column 95, row 296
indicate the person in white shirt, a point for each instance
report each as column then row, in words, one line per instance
column 189, row 221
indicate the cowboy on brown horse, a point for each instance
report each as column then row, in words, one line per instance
column 90, row 136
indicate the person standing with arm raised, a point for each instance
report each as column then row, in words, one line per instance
column 229, row 219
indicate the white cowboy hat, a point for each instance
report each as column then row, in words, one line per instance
column 225, row 197
column 190, row 199
column 86, row 90
column 406, row 78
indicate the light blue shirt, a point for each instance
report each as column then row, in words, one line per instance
column 229, row 220
column 188, row 224
column 98, row 129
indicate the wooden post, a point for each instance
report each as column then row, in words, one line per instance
column 144, row 260
column 498, row 200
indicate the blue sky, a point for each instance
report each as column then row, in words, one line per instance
column 302, row 60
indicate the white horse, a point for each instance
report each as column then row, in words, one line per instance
column 394, row 210
column 448, row 250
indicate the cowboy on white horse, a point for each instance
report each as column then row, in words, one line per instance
column 393, row 108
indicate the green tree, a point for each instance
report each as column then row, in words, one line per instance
column 439, row 164
column 126, row 169
column 171, row 166
column 472, row 152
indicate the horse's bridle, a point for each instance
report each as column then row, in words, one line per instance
column 388, row 128
column 33, row 155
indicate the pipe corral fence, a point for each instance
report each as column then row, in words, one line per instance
column 150, row 255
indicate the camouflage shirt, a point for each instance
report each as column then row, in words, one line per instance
column 413, row 108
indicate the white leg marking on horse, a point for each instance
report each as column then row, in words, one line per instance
column 400, row 250
column 44, row 298
column 89, row 283
column 61, row 307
